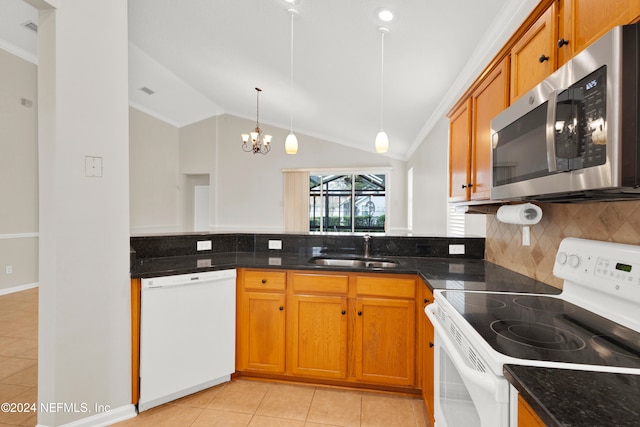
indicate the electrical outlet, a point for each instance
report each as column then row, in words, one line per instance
column 275, row 244
column 203, row 245
column 8, row 269
column 456, row 249
column 526, row 236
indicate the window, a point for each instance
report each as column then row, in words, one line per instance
column 347, row 202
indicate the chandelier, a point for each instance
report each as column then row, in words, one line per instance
column 259, row 143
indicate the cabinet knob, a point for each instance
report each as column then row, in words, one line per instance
column 264, row 281
column 543, row 58
column 344, row 312
column 426, row 300
column 430, row 345
column 359, row 313
column 281, row 308
column 467, row 185
column 562, row 42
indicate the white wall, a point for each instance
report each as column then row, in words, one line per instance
column 84, row 312
column 430, row 183
column 154, row 162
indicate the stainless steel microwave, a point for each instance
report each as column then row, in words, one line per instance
column 575, row 136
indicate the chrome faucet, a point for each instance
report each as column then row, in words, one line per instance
column 367, row 238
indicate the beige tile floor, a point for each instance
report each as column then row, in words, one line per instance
column 239, row 403
column 265, row 404
column 19, row 354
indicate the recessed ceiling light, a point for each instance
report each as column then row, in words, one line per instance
column 385, row 15
column 291, row 1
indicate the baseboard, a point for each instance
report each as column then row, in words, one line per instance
column 18, row 288
column 103, row 419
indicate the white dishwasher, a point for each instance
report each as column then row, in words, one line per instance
column 187, row 334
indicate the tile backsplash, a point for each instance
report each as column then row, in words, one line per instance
column 609, row 221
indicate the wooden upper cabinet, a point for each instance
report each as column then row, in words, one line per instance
column 582, row 22
column 533, row 56
column 488, row 100
column 460, row 153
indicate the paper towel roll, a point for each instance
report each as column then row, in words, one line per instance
column 525, row 214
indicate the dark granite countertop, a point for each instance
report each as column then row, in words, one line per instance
column 438, row 273
column 565, row 398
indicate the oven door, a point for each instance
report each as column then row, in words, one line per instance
column 465, row 395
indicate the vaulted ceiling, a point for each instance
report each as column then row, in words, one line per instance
column 205, row 57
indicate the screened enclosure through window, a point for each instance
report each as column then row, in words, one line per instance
column 347, row 202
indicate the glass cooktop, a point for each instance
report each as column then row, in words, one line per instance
column 537, row 327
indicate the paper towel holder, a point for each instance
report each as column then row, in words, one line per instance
column 520, row 214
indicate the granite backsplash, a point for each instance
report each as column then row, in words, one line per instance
column 157, row 246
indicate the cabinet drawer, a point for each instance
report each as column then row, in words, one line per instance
column 400, row 287
column 265, row 280
column 320, row 283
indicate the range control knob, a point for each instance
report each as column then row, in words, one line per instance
column 561, row 258
column 573, row 261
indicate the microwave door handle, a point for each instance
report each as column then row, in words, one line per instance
column 552, row 163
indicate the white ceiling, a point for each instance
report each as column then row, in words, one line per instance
column 205, row 57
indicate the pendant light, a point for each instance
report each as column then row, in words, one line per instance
column 382, row 140
column 291, row 143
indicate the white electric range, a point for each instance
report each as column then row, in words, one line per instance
column 594, row 324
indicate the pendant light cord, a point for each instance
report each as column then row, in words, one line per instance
column 292, row 12
column 382, row 81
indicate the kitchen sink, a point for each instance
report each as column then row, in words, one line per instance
column 353, row 262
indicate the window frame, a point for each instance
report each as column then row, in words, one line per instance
column 323, row 228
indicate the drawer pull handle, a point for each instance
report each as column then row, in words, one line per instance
column 264, row 281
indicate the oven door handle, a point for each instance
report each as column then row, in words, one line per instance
column 483, row 380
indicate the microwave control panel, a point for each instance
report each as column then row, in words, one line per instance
column 580, row 126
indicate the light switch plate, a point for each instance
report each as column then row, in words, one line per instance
column 203, row 245
column 456, row 249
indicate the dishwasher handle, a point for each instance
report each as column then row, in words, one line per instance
column 188, row 279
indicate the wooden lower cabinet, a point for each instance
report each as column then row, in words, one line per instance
column 385, row 341
column 427, row 344
column 318, row 336
column 261, row 340
column 261, row 321
column 526, row 416
column 343, row 328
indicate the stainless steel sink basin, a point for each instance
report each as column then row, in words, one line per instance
column 353, row 262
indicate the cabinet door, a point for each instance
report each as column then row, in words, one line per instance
column 584, row 21
column 385, row 341
column 261, row 329
column 428, row 358
column 526, row 416
column 528, row 64
column 460, row 153
column 488, row 100
column 318, row 336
